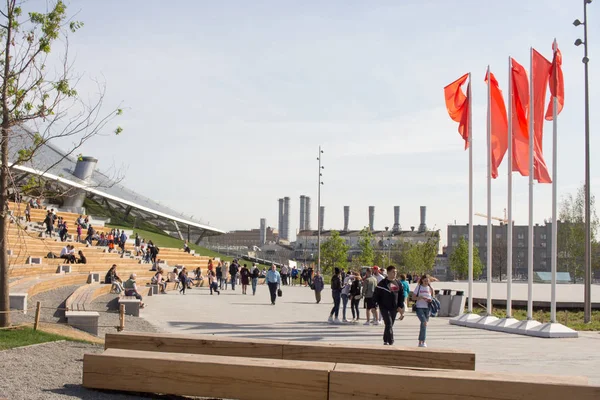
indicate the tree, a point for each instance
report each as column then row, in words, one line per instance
column 39, row 95
column 571, row 233
column 499, row 258
column 365, row 244
column 334, row 252
column 459, row 260
column 420, row 257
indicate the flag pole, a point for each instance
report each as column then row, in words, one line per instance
column 509, row 224
column 489, row 196
column 470, row 290
column 531, row 173
column 553, row 251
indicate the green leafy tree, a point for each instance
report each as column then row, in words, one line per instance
column 334, row 252
column 571, row 234
column 420, row 257
column 365, row 244
column 38, row 95
column 459, row 260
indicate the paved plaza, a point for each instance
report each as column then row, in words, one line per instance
column 297, row 317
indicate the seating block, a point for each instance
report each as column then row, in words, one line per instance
column 34, row 260
column 117, row 369
column 154, row 289
column 10, row 252
column 18, row 301
column 65, row 269
column 94, row 277
column 85, row 320
column 132, row 305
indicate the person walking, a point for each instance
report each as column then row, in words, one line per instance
column 406, row 289
column 284, row 275
column 245, row 276
column 212, row 282
column 368, row 290
column 423, row 294
column 254, row 275
column 318, row 286
column 233, row 271
column 346, row 294
column 355, row 296
column 336, row 293
column 389, row 295
column 273, row 280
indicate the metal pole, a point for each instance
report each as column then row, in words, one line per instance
column 489, row 197
column 587, row 293
column 530, row 232
column 553, row 250
column 470, row 288
column 319, row 215
column 509, row 230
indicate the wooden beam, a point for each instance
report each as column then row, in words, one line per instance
column 206, row 376
column 293, row 350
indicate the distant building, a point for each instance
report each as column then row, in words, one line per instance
column 541, row 245
column 245, row 238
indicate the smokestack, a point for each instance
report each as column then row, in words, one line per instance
column 371, row 218
column 302, row 213
column 321, row 217
column 346, row 217
column 307, row 213
column 423, row 225
column 280, row 220
column 286, row 218
column 396, row 227
column 263, row 231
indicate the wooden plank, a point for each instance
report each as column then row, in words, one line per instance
column 206, row 376
column 348, row 381
column 379, row 355
column 195, row 344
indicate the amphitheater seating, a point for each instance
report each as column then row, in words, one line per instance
column 293, row 350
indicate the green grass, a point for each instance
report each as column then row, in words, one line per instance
column 572, row 319
column 25, row 336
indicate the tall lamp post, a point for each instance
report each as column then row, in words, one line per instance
column 587, row 291
column 319, row 158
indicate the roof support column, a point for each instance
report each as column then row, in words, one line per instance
column 178, row 230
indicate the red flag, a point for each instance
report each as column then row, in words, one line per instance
column 520, row 118
column 557, row 83
column 457, row 104
column 540, row 74
column 499, row 124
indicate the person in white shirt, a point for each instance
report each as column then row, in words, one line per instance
column 423, row 294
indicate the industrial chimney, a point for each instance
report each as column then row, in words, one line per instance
column 302, row 213
column 321, row 217
column 280, row 220
column 286, row 218
column 346, row 217
column 396, row 227
column 84, row 169
column 371, row 218
column 423, row 225
column 307, row 213
column 263, row 231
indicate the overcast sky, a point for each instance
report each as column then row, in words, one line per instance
column 227, row 102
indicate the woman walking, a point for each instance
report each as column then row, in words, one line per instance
column 355, row 296
column 423, row 294
column 254, row 275
column 336, row 293
column 245, row 276
column 318, row 286
column 346, row 294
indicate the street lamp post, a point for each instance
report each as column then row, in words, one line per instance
column 587, row 291
column 319, row 158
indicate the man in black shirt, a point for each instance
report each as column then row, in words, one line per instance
column 389, row 295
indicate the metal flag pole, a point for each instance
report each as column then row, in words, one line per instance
column 530, row 231
column 489, row 196
column 553, row 250
column 319, row 212
column 470, row 289
column 509, row 224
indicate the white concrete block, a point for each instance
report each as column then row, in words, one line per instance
column 18, row 301
column 522, row 327
column 10, row 252
column 502, row 324
column 34, row 260
column 85, row 320
column 132, row 306
column 65, row 268
column 481, row 322
column 462, row 320
column 93, row 277
column 552, row 330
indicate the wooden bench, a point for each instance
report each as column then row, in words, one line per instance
column 208, row 376
column 293, row 350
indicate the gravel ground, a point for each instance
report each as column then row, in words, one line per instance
column 52, row 371
column 52, row 299
column 109, row 303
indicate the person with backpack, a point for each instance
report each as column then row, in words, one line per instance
column 233, row 271
column 254, row 275
column 355, row 296
column 389, row 295
column 336, row 293
column 423, row 295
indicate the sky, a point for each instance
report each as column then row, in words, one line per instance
column 227, row 102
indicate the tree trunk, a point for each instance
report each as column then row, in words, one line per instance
column 4, row 295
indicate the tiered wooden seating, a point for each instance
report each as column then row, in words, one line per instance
column 293, row 350
column 360, row 377
column 180, row 257
column 38, row 214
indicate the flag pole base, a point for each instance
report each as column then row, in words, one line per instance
column 462, row 319
column 522, row 327
column 482, row 322
column 552, row 330
column 502, row 324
